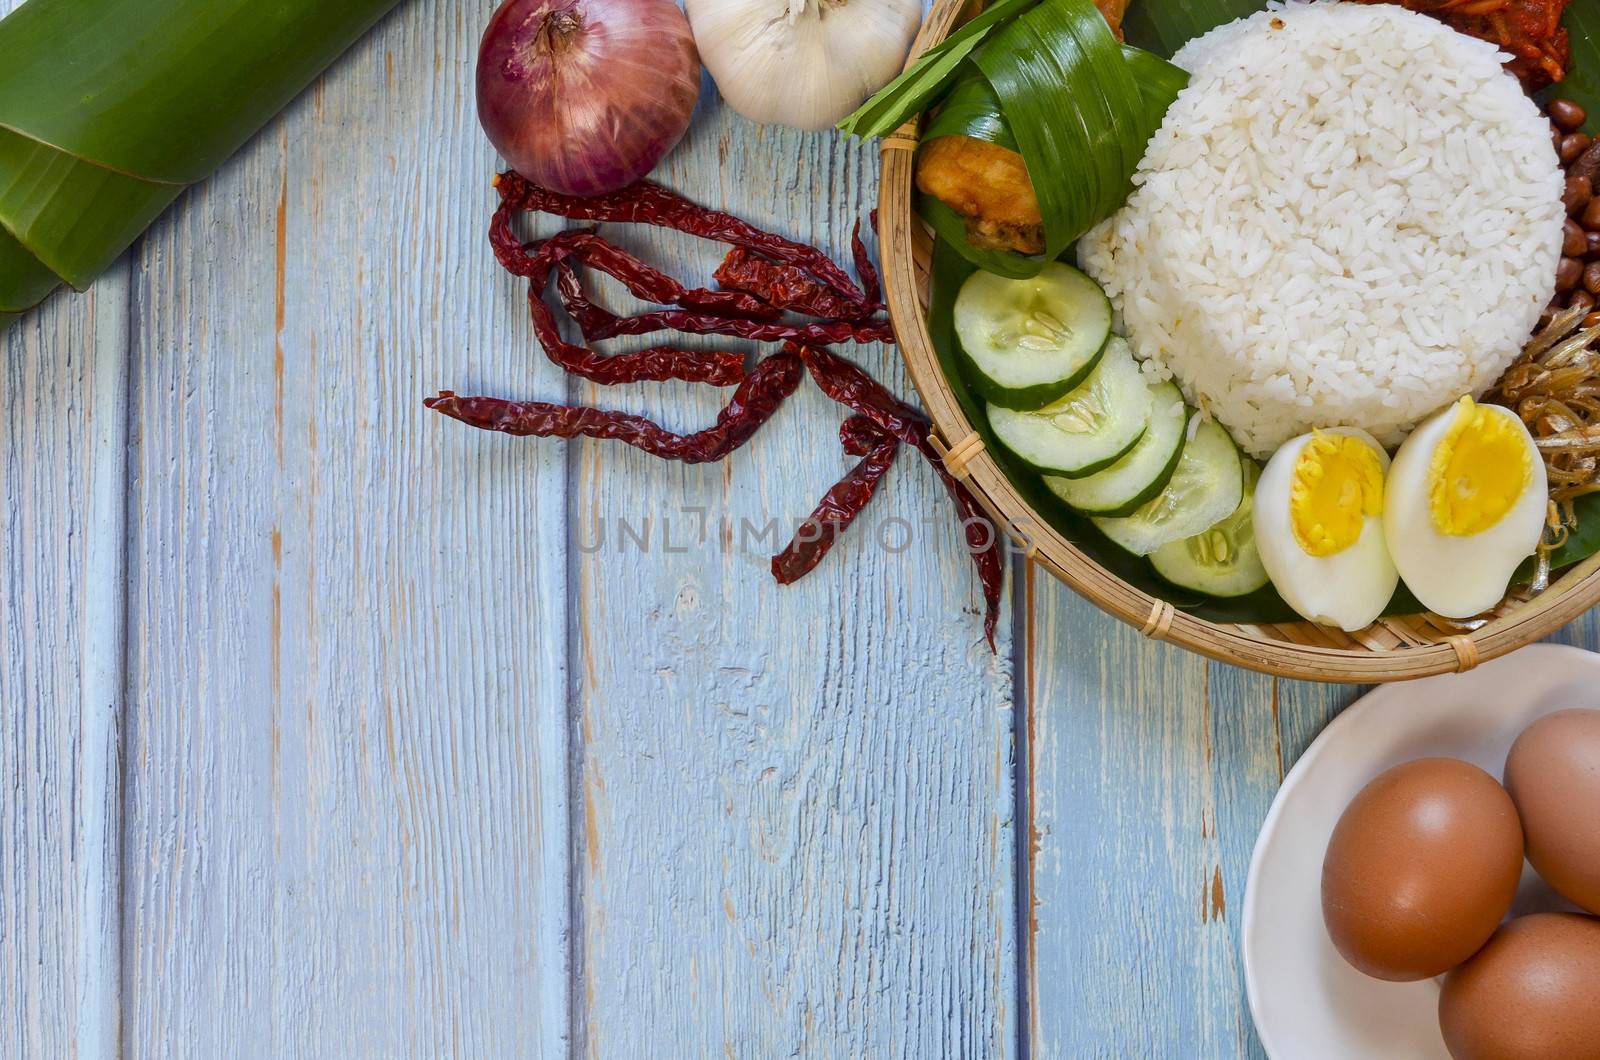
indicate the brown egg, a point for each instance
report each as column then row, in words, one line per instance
column 1553, row 774
column 1421, row 869
column 1533, row 993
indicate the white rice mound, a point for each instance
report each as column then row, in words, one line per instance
column 1351, row 217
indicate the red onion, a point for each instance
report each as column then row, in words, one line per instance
column 585, row 96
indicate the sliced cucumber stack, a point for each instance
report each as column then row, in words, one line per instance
column 1125, row 486
column 1204, row 490
column 1029, row 342
column 1223, row 560
column 1091, row 428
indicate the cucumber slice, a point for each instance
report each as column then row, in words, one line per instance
column 1088, row 430
column 1223, row 560
column 1205, row 489
column 1030, row 342
column 1126, row 485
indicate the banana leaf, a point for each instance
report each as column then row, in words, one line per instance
column 1072, row 105
column 929, row 77
column 74, row 216
column 108, row 110
column 24, row 282
column 971, row 109
column 1164, row 26
column 951, row 228
column 1159, row 83
column 1582, row 85
column 1054, row 84
column 1582, row 541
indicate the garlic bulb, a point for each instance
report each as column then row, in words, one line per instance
column 805, row 63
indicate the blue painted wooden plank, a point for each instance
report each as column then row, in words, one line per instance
column 97, row 771
column 1151, row 771
column 1121, row 871
column 62, row 445
column 1304, row 710
column 796, row 802
column 347, row 746
column 61, row 604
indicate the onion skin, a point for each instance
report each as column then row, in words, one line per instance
column 586, row 96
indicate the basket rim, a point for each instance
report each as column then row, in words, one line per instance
column 1242, row 645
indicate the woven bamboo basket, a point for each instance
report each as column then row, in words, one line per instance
column 1389, row 650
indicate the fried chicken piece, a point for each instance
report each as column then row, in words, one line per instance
column 1113, row 10
column 989, row 185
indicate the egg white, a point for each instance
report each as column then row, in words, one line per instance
column 1457, row 577
column 1348, row 589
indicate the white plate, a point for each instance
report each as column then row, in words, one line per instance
column 1307, row 1002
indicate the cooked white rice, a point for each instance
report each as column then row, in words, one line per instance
column 1350, row 217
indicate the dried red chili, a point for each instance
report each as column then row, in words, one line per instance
column 649, row 283
column 717, row 368
column 864, row 267
column 648, row 203
column 855, row 389
column 757, row 398
column 510, row 251
column 764, row 276
column 858, row 435
column 743, row 314
column 786, row 287
column 839, row 507
column 852, row 387
column 595, row 322
column 790, row 288
column 598, row 323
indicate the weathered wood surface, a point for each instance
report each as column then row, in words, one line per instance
column 61, row 607
column 62, row 451
column 407, row 771
column 346, row 809
column 797, row 801
column 328, row 727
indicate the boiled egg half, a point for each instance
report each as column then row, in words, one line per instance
column 1319, row 527
column 1464, row 506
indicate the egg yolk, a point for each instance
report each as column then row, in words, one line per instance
column 1337, row 483
column 1478, row 470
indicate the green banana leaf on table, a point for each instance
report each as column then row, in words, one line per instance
column 109, row 109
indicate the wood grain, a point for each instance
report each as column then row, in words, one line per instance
column 346, row 822
column 423, row 755
column 796, row 802
column 347, row 775
column 1151, row 771
column 61, row 605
